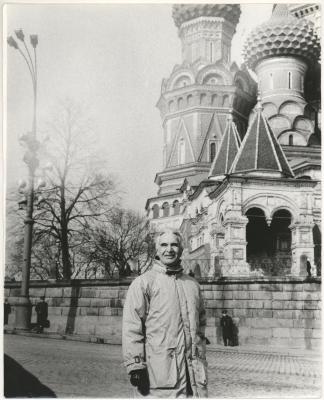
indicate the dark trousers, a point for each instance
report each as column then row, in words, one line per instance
column 227, row 340
column 41, row 322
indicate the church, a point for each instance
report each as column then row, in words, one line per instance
column 241, row 175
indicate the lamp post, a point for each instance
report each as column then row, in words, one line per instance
column 30, row 142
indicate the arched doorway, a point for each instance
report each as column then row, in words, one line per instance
column 257, row 237
column 280, row 236
column 269, row 247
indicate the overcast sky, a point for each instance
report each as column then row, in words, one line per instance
column 112, row 58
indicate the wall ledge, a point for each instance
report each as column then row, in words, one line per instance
column 127, row 281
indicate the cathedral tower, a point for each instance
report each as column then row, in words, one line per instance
column 196, row 100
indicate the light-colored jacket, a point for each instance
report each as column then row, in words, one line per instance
column 164, row 329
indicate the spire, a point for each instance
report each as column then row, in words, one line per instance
column 227, row 151
column 260, row 151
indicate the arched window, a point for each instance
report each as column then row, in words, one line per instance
column 190, row 100
column 156, row 211
column 211, row 51
column 226, row 101
column 181, row 152
column 289, row 80
column 291, row 140
column 212, row 151
column 166, row 209
column 203, row 99
column 176, row 207
column 171, row 106
column 180, row 103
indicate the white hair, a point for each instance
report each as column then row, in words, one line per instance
column 175, row 232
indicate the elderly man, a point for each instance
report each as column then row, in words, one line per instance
column 164, row 319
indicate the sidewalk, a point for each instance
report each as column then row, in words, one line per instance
column 244, row 348
column 70, row 368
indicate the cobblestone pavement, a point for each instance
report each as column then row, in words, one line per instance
column 79, row 369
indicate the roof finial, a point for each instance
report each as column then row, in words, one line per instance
column 259, row 105
column 280, row 10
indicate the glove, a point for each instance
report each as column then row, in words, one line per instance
column 139, row 378
column 136, row 377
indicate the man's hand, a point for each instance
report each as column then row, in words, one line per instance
column 139, row 378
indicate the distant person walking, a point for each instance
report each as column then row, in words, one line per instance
column 227, row 328
column 7, row 311
column 42, row 314
column 308, row 268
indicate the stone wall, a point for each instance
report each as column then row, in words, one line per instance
column 277, row 312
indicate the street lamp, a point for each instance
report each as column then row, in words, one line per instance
column 30, row 142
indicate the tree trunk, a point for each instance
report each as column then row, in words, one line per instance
column 66, row 262
column 67, row 267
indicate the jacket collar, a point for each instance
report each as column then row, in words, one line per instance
column 158, row 266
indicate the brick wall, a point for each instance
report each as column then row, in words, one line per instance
column 280, row 312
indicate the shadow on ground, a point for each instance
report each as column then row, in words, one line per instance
column 18, row 382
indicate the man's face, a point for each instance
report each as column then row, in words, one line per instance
column 168, row 249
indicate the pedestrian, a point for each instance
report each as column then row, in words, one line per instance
column 42, row 314
column 308, row 268
column 227, row 328
column 164, row 319
column 7, row 311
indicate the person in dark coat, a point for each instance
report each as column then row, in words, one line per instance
column 7, row 311
column 227, row 328
column 42, row 314
column 308, row 268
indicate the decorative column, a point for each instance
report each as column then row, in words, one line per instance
column 234, row 263
column 217, row 254
column 302, row 246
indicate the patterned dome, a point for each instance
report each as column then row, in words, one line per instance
column 282, row 35
column 185, row 12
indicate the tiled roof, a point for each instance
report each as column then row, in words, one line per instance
column 228, row 149
column 260, row 151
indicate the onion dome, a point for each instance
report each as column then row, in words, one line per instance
column 282, row 35
column 185, row 12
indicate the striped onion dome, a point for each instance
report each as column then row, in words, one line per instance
column 185, row 12
column 282, row 35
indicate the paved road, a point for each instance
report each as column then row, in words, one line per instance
column 79, row 369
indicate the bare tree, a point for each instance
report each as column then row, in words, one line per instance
column 78, row 188
column 122, row 242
